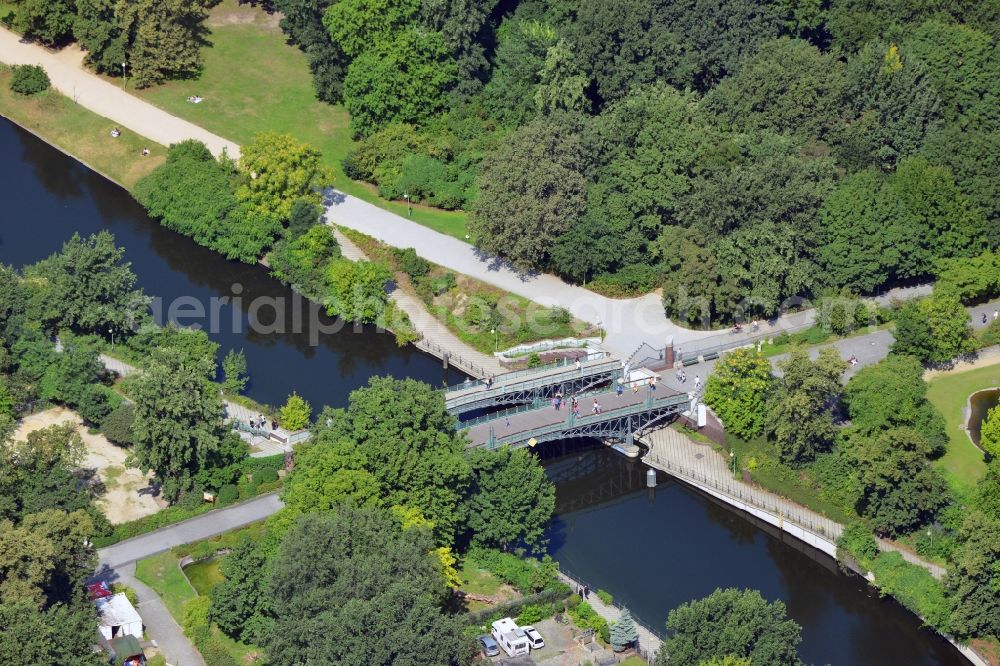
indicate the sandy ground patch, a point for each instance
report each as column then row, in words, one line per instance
column 127, row 495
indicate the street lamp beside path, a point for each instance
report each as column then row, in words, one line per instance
column 123, row 76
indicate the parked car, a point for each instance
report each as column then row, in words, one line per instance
column 488, row 646
column 534, row 638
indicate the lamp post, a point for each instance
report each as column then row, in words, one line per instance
column 409, row 210
column 732, row 456
column 496, row 339
column 111, row 330
column 123, row 76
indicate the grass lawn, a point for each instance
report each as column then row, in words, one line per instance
column 796, row 485
column 81, row 133
column 163, row 575
column 962, row 464
column 254, row 81
column 634, row 661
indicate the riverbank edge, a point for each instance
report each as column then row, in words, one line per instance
column 810, row 538
column 426, row 344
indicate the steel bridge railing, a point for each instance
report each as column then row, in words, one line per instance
column 591, row 419
column 507, row 376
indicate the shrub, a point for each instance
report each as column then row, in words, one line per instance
column 412, row 264
column 195, row 621
column 295, row 414
column 857, row 540
column 532, row 613
column 526, row 575
column 585, row 617
column 444, row 283
column 122, row 588
column 560, row 316
column 605, row 597
column 266, row 475
column 534, row 360
column 228, row 494
column 914, row 587
column 29, row 80
column 632, row 280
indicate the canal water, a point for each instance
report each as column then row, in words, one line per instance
column 48, row 196
column 653, row 550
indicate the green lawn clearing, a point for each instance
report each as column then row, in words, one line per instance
column 253, row 81
column 163, row 575
column 81, row 133
column 949, row 392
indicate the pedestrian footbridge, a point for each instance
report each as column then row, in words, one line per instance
column 532, row 386
column 621, row 417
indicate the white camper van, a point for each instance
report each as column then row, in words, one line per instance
column 510, row 638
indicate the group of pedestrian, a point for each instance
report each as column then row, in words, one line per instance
column 260, row 423
column 681, row 375
column 584, row 592
column 489, row 382
column 557, row 401
column 996, row 315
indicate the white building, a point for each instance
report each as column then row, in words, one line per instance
column 117, row 617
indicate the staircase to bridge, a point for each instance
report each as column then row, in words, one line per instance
column 532, row 386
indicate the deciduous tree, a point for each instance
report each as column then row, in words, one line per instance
column 88, row 287
column 974, row 581
column 279, row 171
column 409, row 444
column 730, row 623
column 901, row 491
column 738, row 390
column 178, row 427
column 800, row 414
column 405, row 79
column 367, row 586
column 234, row 368
column 510, row 501
column 530, row 192
column 50, row 21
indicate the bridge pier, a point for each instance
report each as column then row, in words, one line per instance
column 668, row 352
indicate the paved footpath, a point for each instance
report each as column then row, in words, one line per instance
column 437, row 339
column 65, row 70
column 117, row 564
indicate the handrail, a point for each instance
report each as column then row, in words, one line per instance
column 506, row 376
column 638, row 408
column 476, row 395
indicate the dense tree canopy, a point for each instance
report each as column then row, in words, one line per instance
column 530, row 193
column 398, row 433
column 87, row 287
column 511, row 500
column 730, row 623
column 156, row 39
column 369, row 588
column 178, row 430
column 800, row 414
